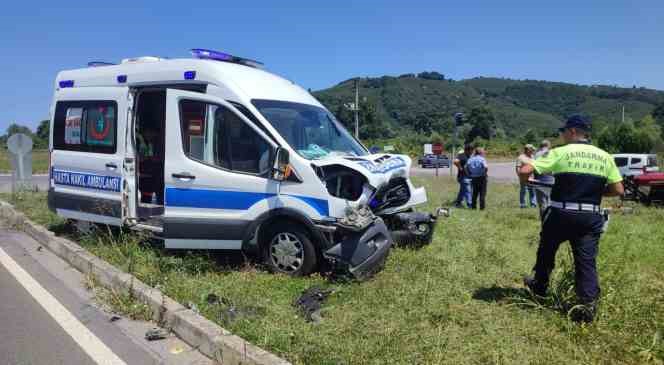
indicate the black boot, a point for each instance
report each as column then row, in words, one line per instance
column 534, row 286
column 583, row 313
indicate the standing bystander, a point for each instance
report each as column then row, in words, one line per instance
column 464, row 181
column 477, row 169
column 546, row 179
column 527, row 154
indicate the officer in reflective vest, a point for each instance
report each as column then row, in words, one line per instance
column 583, row 174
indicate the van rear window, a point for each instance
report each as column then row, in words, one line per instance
column 86, row 126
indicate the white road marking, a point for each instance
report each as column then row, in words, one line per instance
column 97, row 350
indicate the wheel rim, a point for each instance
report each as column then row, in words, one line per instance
column 286, row 252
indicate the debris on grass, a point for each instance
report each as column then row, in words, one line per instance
column 310, row 303
column 155, row 334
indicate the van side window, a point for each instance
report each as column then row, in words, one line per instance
column 621, row 161
column 85, row 126
column 214, row 135
column 635, row 161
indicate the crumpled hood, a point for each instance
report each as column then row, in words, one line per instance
column 378, row 168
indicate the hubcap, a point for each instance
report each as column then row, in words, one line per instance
column 286, row 252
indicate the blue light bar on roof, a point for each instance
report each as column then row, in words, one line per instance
column 208, row 54
column 66, row 83
column 100, row 64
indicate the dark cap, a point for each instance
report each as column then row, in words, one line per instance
column 577, row 121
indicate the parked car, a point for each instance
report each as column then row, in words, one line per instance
column 431, row 160
column 631, row 164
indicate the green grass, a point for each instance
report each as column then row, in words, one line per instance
column 39, row 161
column 458, row 300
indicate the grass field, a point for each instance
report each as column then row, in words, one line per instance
column 39, row 161
column 457, row 301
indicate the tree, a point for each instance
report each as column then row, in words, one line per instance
column 371, row 126
column 41, row 137
column 658, row 115
column 17, row 128
column 529, row 137
column 482, row 121
column 433, row 75
column 625, row 138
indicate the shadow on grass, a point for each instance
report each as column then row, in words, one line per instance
column 499, row 294
column 560, row 298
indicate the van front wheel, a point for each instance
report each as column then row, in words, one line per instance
column 289, row 250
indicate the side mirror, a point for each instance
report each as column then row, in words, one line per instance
column 280, row 168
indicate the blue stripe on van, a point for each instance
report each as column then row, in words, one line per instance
column 226, row 199
column 320, row 205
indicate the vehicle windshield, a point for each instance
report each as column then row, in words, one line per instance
column 310, row 130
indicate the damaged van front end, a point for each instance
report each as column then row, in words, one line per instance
column 372, row 203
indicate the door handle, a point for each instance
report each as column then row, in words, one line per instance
column 111, row 165
column 184, row 176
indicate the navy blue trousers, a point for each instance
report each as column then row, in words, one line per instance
column 582, row 230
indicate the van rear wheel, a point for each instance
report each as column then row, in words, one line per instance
column 289, row 250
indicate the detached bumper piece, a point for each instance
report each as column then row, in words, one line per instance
column 362, row 253
column 412, row 228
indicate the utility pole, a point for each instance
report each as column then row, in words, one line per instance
column 623, row 113
column 458, row 119
column 357, row 108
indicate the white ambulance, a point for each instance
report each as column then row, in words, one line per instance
column 213, row 152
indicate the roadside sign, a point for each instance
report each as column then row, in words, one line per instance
column 388, row 148
column 437, row 148
column 20, row 146
column 428, row 149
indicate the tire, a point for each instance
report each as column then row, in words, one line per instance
column 287, row 249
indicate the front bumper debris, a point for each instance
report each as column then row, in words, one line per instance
column 363, row 252
column 412, row 228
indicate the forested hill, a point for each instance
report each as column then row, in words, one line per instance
column 426, row 103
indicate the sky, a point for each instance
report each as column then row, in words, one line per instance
column 320, row 43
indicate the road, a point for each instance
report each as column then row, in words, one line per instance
column 498, row 171
column 38, row 182
column 48, row 317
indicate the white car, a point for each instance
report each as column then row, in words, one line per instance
column 631, row 164
column 212, row 152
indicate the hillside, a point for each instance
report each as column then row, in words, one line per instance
column 427, row 102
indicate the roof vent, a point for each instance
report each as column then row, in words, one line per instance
column 143, row 59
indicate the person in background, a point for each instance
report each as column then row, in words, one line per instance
column 542, row 196
column 464, row 181
column 476, row 169
column 527, row 155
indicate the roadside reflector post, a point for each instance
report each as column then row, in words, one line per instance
column 20, row 148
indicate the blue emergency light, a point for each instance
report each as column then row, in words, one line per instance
column 66, row 83
column 208, row 54
column 100, row 64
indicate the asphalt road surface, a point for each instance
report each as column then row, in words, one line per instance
column 48, row 317
column 498, row 171
column 39, row 182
